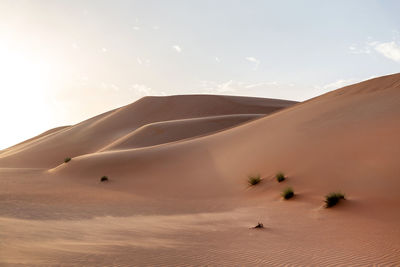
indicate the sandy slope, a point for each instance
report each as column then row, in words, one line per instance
column 187, row 202
column 169, row 131
column 96, row 133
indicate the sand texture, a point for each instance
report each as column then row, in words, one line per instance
column 178, row 192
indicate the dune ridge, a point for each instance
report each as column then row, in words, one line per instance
column 325, row 127
column 98, row 132
column 169, row 131
column 184, row 199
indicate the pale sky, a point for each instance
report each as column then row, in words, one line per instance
column 65, row 61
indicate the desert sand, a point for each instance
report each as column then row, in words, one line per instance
column 178, row 192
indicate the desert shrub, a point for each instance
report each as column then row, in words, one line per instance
column 287, row 193
column 253, row 180
column 259, row 225
column 280, row 177
column 333, row 198
column 67, row 160
column 104, row 179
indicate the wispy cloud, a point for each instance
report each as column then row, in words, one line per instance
column 217, row 59
column 136, row 28
column 230, row 86
column 177, row 48
column 390, row 50
column 355, row 49
column 109, row 87
column 238, row 87
column 254, row 60
column 143, row 61
column 141, row 89
column 262, row 84
column 337, row 84
column 144, row 90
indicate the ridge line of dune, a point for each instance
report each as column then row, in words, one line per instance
column 170, row 123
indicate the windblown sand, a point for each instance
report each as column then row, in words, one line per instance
column 178, row 195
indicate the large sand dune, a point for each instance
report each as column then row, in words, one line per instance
column 178, row 192
column 99, row 132
column 168, row 131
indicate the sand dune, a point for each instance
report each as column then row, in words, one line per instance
column 183, row 198
column 169, row 131
column 306, row 139
column 96, row 133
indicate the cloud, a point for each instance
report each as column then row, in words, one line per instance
column 143, row 61
column 144, row 90
column 337, row 84
column 354, row 49
column 155, row 27
column 230, row 86
column 177, row 48
column 136, row 28
column 237, row 87
column 141, row 89
column 114, row 87
column 217, row 59
column 262, row 84
column 109, row 87
column 254, row 60
column 390, row 50
column 226, row 87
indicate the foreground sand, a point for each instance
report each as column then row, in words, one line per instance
column 180, row 196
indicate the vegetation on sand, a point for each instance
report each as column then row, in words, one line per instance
column 253, row 180
column 333, row 198
column 259, row 225
column 287, row 193
column 280, row 177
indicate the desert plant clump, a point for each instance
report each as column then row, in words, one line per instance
column 259, row 225
column 333, row 198
column 287, row 193
column 104, row 179
column 253, row 180
column 67, row 159
column 280, row 177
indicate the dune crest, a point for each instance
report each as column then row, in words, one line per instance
column 99, row 132
column 169, row 131
column 184, row 197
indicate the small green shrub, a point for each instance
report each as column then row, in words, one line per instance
column 333, row 198
column 287, row 193
column 104, row 179
column 280, row 177
column 253, row 180
column 67, row 160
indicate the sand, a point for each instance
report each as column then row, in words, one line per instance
column 177, row 193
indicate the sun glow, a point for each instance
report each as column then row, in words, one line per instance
column 24, row 81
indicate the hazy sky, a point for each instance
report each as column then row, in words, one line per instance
column 64, row 61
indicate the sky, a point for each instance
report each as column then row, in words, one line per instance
column 62, row 62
